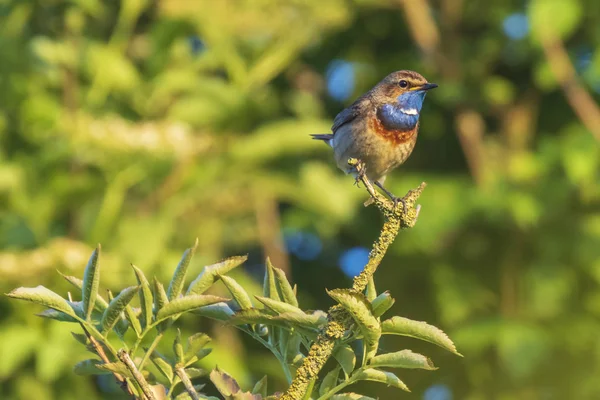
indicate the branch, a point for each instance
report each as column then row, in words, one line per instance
column 186, row 382
column 339, row 321
column 137, row 375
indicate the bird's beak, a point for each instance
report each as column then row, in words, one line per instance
column 428, row 86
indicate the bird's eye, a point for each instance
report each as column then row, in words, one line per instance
column 403, row 83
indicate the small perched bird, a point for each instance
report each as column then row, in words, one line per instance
column 380, row 127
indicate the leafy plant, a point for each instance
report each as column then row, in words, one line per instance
column 300, row 340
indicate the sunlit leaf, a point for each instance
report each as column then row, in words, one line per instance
column 145, row 296
column 382, row 303
column 56, row 315
column 286, row 293
column 184, row 304
column 178, row 348
column 116, row 367
column 160, row 299
column 237, row 292
column 89, row 367
column 133, row 319
column 176, row 285
column 209, row 274
column 43, row 296
column 91, row 283
column 419, row 330
column 371, row 374
column 113, row 313
column 360, row 309
column 195, row 344
column 218, row 311
column 269, row 285
column 278, row 306
column 402, row 359
column 164, row 367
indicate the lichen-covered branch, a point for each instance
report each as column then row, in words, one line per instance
column 137, row 375
column 403, row 215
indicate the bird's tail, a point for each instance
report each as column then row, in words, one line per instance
column 326, row 137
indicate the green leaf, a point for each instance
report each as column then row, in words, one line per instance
column 209, row 274
column 116, row 367
column 261, row 387
column 371, row 374
column 564, row 14
column 56, row 315
column 178, row 348
column 382, row 303
column 163, row 367
column 195, row 344
column 237, row 292
column 402, row 359
column 330, row 380
column 346, row 358
column 89, row 367
column 371, row 291
column 113, row 313
column 160, row 299
column 269, row 286
column 350, row 396
column 43, row 296
column 176, row 285
column 184, row 304
column 145, row 296
column 360, row 309
column 81, row 338
column 284, row 288
column 133, row 319
column 100, row 304
column 91, row 282
column 419, row 330
column 278, row 306
column 219, row 312
column 287, row 320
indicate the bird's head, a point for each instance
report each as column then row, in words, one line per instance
column 404, row 89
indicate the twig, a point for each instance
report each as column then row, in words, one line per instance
column 137, row 375
column 186, row 382
column 339, row 322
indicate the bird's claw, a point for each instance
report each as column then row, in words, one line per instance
column 361, row 171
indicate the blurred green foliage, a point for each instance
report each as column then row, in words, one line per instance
column 143, row 124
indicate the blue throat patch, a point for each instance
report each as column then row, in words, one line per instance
column 404, row 114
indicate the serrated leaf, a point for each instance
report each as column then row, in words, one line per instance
column 91, row 283
column 89, row 367
column 224, row 383
column 269, row 286
column 163, row 367
column 371, row 374
column 359, row 308
column 116, row 306
column 346, row 358
column 187, row 303
column 330, row 380
column 209, row 274
column 261, row 387
column 116, row 367
column 178, row 347
column 278, row 306
column 133, row 320
column 286, row 293
column 382, row 303
column 56, row 315
column 145, row 296
column 237, row 292
column 195, row 343
column 219, row 312
column 43, row 296
column 176, row 284
column 350, row 396
column 419, row 330
column 402, row 359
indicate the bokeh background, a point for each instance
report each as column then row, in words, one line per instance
column 143, row 124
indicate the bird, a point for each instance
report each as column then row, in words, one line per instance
column 380, row 128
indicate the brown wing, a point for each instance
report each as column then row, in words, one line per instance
column 348, row 114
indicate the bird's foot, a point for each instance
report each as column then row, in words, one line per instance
column 361, row 172
column 395, row 200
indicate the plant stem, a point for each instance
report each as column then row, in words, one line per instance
column 186, row 382
column 403, row 215
column 336, row 389
column 139, row 378
column 149, row 351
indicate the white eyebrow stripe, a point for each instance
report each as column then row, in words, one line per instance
column 409, row 111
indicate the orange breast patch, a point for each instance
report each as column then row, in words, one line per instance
column 395, row 136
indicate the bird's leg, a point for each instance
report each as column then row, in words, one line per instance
column 394, row 199
column 361, row 172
